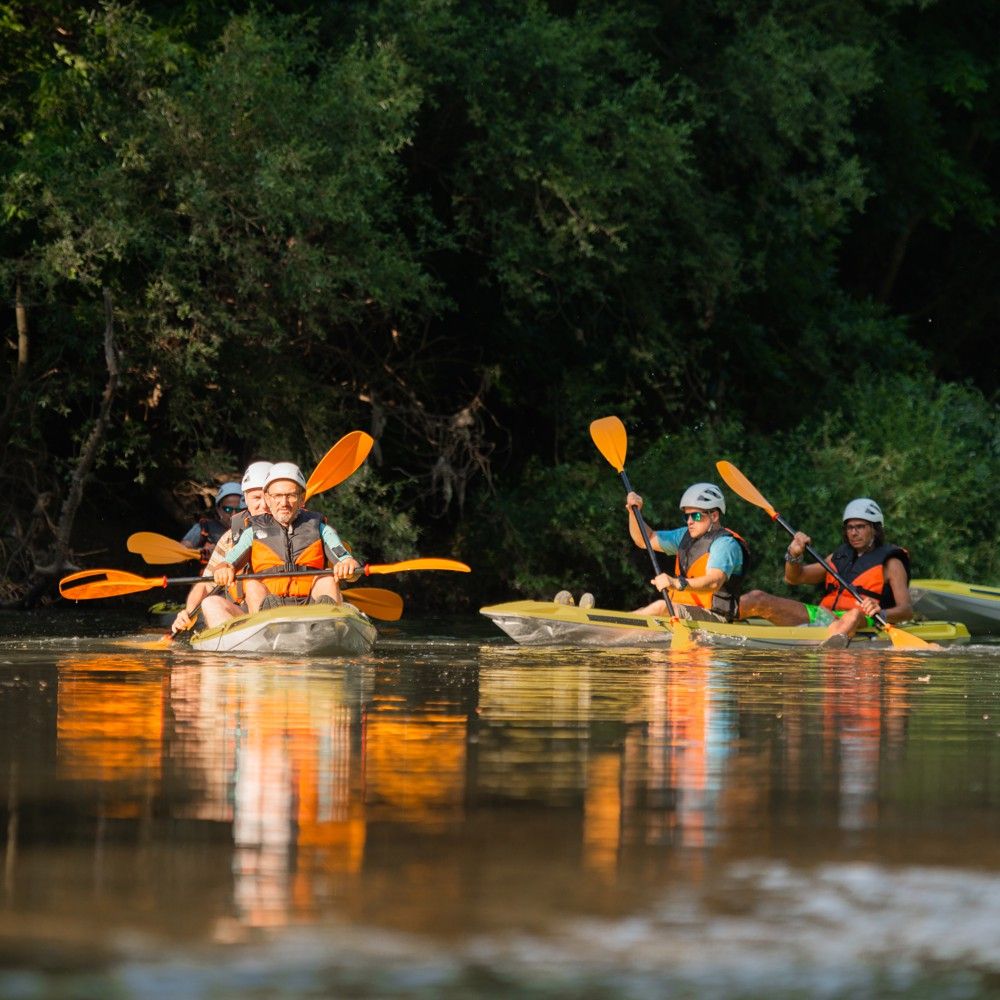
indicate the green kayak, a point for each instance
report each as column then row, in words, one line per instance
column 543, row 623
column 299, row 630
column 976, row 607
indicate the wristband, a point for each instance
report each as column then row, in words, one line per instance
column 682, row 583
column 796, row 560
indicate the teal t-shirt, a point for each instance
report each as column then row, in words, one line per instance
column 725, row 552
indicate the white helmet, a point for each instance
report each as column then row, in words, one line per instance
column 285, row 470
column 865, row 510
column 704, row 496
column 256, row 476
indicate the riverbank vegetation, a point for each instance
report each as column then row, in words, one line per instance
column 764, row 232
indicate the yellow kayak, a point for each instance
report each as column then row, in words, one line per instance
column 298, row 630
column 544, row 623
column 976, row 607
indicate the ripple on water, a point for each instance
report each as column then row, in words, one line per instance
column 763, row 928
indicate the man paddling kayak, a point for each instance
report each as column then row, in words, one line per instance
column 286, row 538
column 879, row 570
column 216, row 608
column 710, row 559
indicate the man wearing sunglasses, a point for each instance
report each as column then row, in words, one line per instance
column 206, row 533
column 879, row 570
column 710, row 560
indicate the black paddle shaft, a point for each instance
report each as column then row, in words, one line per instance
column 644, row 531
column 853, row 591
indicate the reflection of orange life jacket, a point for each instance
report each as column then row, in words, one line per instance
column 299, row 546
column 692, row 560
column 866, row 573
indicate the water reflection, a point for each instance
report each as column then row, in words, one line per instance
column 463, row 789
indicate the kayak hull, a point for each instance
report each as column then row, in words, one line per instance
column 978, row 608
column 297, row 630
column 543, row 623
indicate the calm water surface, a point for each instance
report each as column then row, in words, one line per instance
column 457, row 816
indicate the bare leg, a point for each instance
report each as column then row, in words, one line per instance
column 777, row 610
column 326, row 586
column 656, row 608
column 217, row 609
column 256, row 592
column 848, row 623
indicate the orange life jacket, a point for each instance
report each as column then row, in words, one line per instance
column 276, row 549
column 866, row 572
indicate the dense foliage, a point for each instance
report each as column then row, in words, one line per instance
column 763, row 231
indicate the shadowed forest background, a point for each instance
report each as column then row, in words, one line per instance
column 762, row 231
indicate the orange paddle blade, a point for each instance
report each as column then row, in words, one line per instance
column 901, row 639
column 408, row 564
column 739, row 484
column 611, row 439
column 89, row 584
column 340, row 462
column 382, row 604
column 158, row 549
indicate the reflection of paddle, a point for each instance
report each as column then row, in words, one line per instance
column 337, row 465
column 89, row 584
column 612, row 442
column 739, row 484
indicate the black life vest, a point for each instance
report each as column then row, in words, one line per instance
column 866, row 572
column 277, row 549
column 692, row 560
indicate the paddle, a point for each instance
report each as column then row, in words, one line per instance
column 89, row 584
column 340, row 462
column 337, row 465
column 739, row 484
column 158, row 549
column 609, row 435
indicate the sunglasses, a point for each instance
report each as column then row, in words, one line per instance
column 857, row 527
column 697, row 517
column 232, row 510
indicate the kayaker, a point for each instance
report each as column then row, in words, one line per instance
column 710, row 559
column 880, row 571
column 207, row 531
column 286, row 538
column 217, row 608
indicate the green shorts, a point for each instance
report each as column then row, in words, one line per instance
column 824, row 616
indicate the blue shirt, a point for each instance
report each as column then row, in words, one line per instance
column 724, row 553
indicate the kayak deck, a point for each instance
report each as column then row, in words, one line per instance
column 544, row 623
column 977, row 607
column 308, row 629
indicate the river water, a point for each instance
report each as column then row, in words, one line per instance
column 456, row 816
